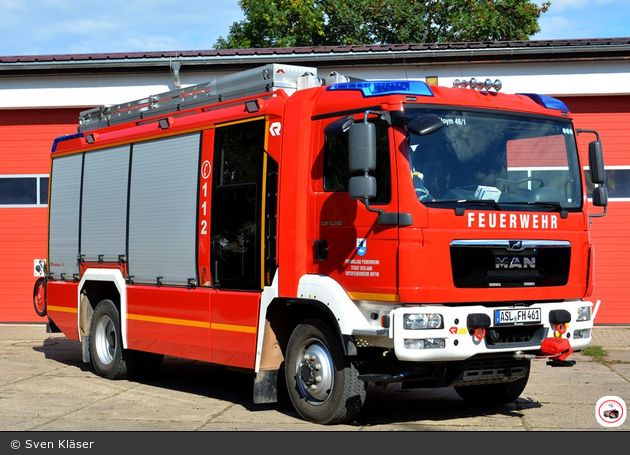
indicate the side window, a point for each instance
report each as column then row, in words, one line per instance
column 24, row 191
column 43, row 190
column 236, row 205
column 337, row 173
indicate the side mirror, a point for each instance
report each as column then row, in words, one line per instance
column 339, row 126
column 425, row 124
column 596, row 162
column 362, row 187
column 362, row 159
column 600, row 196
column 598, row 174
column 362, row 147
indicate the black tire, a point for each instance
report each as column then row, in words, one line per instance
column 109, row 359
column 106, row 349
column 493, row 394
column 338, row 394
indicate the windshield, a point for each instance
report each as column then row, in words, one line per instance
column 496, row 159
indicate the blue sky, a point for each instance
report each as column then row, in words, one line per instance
column 43, row 27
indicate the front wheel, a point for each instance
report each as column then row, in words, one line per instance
column 322, row 384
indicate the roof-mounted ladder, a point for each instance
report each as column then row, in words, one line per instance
column 264, row 79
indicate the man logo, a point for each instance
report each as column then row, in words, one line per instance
column 514, row 263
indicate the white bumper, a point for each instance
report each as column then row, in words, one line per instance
column 455, row 341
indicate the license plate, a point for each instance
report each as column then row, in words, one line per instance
column 517, row 316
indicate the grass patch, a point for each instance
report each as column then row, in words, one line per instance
column 595, row 351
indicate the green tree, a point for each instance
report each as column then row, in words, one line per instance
column 294, row 23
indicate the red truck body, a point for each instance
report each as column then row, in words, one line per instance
column 228, row 223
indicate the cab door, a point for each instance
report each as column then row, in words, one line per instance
column 351, row 246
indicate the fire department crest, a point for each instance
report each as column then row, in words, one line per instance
column 361, row 247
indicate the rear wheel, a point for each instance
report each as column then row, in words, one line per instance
column 493, row 394
column 322, row 384
column 39, row 297
column 109, row 358
column 106, row 349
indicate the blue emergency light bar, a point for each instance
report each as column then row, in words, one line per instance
column 547, row 101
column 64, row 138
column 378, row 88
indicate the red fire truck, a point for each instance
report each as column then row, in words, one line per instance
column 326, row 233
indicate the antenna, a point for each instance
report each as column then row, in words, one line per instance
column 405, row 66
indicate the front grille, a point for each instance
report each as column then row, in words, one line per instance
column 512, row 274
column 497, row 263
column 521, row 336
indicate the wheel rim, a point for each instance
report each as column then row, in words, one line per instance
column 314, row 371
column 39, row 299
column 105, row 340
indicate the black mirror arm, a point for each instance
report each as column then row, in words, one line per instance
column 366, row 202
column 389, row 218
column 580, row 130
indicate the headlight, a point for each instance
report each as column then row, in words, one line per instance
column 425, row 343
column 583, row 313
column 421, row 321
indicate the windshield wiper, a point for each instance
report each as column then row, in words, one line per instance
column 553, row 204
column 459, row 211
column 490, row 202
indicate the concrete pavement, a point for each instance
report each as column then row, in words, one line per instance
column 45, row 387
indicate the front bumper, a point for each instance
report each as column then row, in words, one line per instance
column 455, row 340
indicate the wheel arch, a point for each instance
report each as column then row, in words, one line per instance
column 97, row 285
column 281, row 318
column 317, row 297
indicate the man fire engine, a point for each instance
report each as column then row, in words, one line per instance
column 336, row 231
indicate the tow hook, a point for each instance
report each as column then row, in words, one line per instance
column 480, row 333
column 560, row 330
column 478, row 323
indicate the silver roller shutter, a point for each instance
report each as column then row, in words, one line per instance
column 163, row 210
column 64, row 216
column 104, row 207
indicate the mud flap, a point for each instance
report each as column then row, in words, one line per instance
column 266, row 387
column 85, row 349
